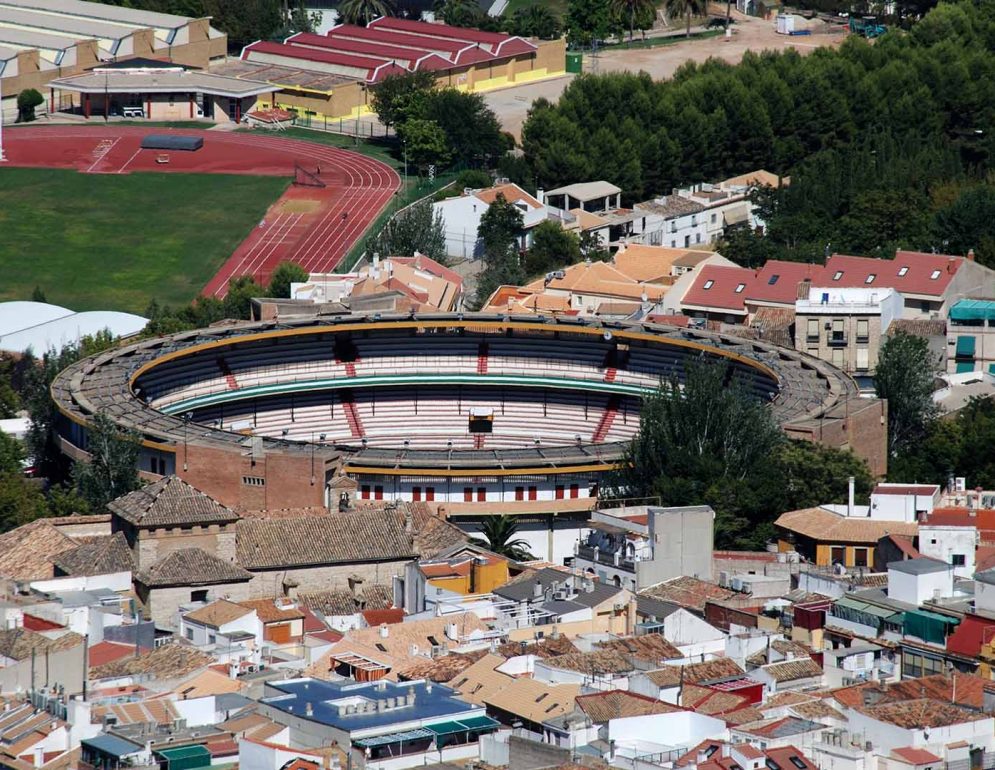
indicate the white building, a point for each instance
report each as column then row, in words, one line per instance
column 916, row 581
column 461, row 217
column 230, row 631
column 952, row 544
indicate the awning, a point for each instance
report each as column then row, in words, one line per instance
column 963, row 367
column 973, row 310
column 185, row 757
column 382, row 740
column 965, row 346
column 737, row 216
column 936, row 616
column 111, row 745
column 881, row 612
column 851, row 604
column 471, row 724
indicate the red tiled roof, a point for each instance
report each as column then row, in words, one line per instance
column 499, row 43
column 329, row 636
column 982, row 518
column 915, row 756
column 459, row 52
column 429, row 265
column 984, row 558
column 904, row 544
column 106, row 652
column 311, row 623
column 375, row 68
column 785, row 755
column 968, row 637
column 377, row 617
column 777, row 281
column 411, row 58
column 721, row 292
column 670, row 320
column 34, row 623
column 445, row 569
column 918, row 279
column 904, row 489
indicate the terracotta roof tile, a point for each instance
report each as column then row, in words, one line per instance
column 268, row 610
column 918, row 278
column 17, row 643
column 170, row 502
column 618, row 704
column 28, row 552
column 688, row 592
column 922, row 713
column 916, row 756
column 648, row 647
column 331, row 603
column 824, row 525
column 533, row 700
column 105, row 652
column 191, row 566
column 99, row 556
column 721, row 283
column 314, row 540
column 166, row 662
column 792, row 670
column 218, row 613
column 705, row 700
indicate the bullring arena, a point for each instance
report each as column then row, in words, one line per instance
column 469, row 412
column 313, row 225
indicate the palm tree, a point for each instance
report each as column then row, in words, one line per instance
column 536, row 21
column 677, row 8
column 499, row 536
column 630, row 9
column 364, row 11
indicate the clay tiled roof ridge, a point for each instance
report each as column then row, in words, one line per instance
column 100, row 556
column 191, row 566
column 170, row 501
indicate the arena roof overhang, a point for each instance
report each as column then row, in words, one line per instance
column 105, row 384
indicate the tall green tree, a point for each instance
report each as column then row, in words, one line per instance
column 424, row 143
column 472, row 131
column 634, row 14
column 362, row 12
column 687, row 9
column 499, row 535
column 417, row 229
column 245, row 21
column 112, row 468
column 588, row 21
column 283, row 275
column 393, row 97
column 498, row 234
column 238, row 301
column 967, row 223
column 905, row 376
column 552, row 248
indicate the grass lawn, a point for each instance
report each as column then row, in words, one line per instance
column 656, row 42
column 558, row 7
column 113, row 242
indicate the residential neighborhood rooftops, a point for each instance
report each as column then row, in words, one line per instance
column 618, row 704
column 218, row 613
column 822, row 524
column 719, row 287
column 170, row 502
column 910, row 272
column 921, row 713
column 533, row 700
column 792, row 670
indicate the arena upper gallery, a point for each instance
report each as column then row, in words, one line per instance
column 458, row 410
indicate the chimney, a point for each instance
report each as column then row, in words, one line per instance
column 411, row 696
column 541, row 197
column 384, row 631
column 850, row 493
column 409, row 521
column 39, row 756
column 537, row 590
column 308, row 710
column 630, row 617
column 970, row 255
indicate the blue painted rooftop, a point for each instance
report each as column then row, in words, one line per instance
column 353, row 706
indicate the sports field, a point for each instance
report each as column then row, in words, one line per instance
column 114, row 241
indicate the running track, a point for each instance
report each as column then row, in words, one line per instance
column 313, row 234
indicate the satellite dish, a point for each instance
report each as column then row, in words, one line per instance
column 607, row 335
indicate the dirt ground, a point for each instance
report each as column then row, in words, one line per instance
column 750, row 34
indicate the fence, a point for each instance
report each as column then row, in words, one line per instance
column 365, row 129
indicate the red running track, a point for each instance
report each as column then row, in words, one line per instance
column 305, row 225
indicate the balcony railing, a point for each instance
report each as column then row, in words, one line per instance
column 836, row 340
column 608, row 559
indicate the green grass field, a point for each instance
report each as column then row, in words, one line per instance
column 113, row 242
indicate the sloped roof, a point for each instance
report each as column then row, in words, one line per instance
column 695, row 673
column 705, row 700
column 922, row 713
column 617, row 704
column 268, row 611
column 170, row 502
column 218, row 613
column 777, row 281
column 344, row 537
column 792, row 670
column 721, row 283
column 28, row 552
column 825, row 525
column 594, row 663
column 651, row 263
column 191, row 566
column 166, row 662
column 651, row 647
column 99, row 556
column 511, row 192
column 17, row 643
column 918, row 277
column 376, row 596
column 687, row 591
column 533, row 700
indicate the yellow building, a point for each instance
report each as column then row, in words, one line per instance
column 469, row 572
column 825, row 537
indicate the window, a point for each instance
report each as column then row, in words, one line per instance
column 859, row 557
column 813, row 329
column 574, row 490
column 708, row 284
column 199, row 595
column 797, row 762
column 189, row 634
column 714, row 218
column 542, row 697
column 697, row 237
column 468, row 494
column 212, row 639
column 481, row 494
column 533, row 493
column 378, row 492
column 934, row 275
column 903, row 270
column 364, row 492
column 416, row 494
column 559, row 491
column 772, row 764
column 740, row 287
column 838, row 275
column 863, row 329
column 773, row 279
column 863, row 360
column 957, row 559
column 870, row 278
column 837, row 554
column 519, row 493
column 254, row 481
column 381, row 647
column 429, row 494
column 838, row 359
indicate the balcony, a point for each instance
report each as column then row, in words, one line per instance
column 836, row 340
column 615, row 560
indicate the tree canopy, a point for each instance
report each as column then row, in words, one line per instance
column 416, row 229
column 905, row 376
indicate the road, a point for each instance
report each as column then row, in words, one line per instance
column 512, row 104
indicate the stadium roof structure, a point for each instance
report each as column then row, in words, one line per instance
column 798, row 386
column 164, row 81
column 40, row 327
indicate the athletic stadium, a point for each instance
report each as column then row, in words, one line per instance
column 467, row 412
